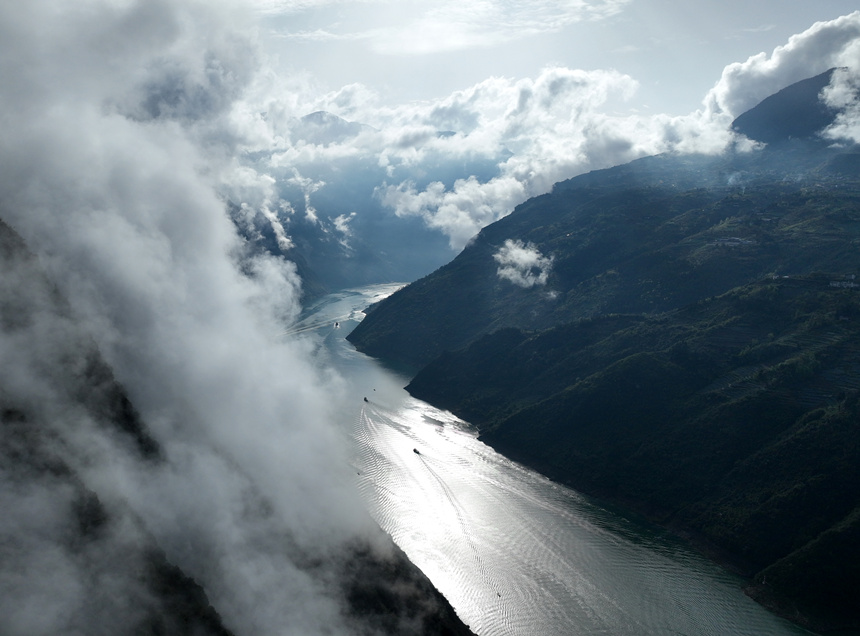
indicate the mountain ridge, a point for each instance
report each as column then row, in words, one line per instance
column 106, row 570
column 697, row 321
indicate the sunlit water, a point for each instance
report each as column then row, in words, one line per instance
column 513, row 552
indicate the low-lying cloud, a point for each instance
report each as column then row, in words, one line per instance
column 137, row 135
column 465, row 160
column 522, row 264
column 843, row 95
column 118, row 153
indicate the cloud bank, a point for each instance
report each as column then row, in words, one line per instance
column 118, row 153
column 129, row 129
column 522, row 264
column 463, row 161
column 822, row 46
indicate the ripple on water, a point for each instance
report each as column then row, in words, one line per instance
column 517, row 554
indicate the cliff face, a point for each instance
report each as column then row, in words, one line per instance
column 75, row 556
column 679, row 334
column 647, row 237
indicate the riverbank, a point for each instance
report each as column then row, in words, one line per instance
column 756, row 586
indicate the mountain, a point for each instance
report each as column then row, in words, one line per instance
column 734, row 420
column 795, row 112
column 76, row 557
column 649, row 236
column 641, row 237
column 341, row 233
column 679, row 335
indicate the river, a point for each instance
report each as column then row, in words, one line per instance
column 513, row 552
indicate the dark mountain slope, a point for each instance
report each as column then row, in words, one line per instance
column 795, row 112
column 734, row 419
column 82, row 562
column 693, row 352
column 640, row 238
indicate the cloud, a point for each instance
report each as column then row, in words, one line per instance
column 522, row 264
column 341, row 224
column 467, row 159
column 822, row 46
column 120, row 132
column 461, row 212
column 843, row 95
column 298, row 6
column 538, row 132
column 307, row 186
column 445, row 25
column 451, row 26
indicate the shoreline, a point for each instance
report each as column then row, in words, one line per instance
column 762, row 594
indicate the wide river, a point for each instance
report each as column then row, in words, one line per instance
column 513, row 552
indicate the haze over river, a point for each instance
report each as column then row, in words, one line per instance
column 513, row 552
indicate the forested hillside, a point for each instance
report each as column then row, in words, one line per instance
column 734, row 419
column 74, row 555
column 646, row 237
column 680, row 334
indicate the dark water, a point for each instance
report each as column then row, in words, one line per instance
column 513, row 552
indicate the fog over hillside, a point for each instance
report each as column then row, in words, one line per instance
column 507, row 139
column 128, row 128
column 116, row 149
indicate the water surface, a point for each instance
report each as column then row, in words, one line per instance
column 513, row 552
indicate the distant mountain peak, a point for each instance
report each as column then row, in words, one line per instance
column 322, row 128
column 795, row 112
column 323, row 117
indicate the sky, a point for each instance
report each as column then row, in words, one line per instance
column 410, row 50
column 144, row 142
column 532, row 92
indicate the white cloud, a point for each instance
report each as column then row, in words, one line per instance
column 417, row 28
column 341, row 225
column 513, row 138
column 539, row 131
column 822, row 46
column 308, row 186
column 564, row 122
column 451, row 26
column 120, row 130
column 461, row 212
column 298, row 6
column 843, row 95
column 522, row 264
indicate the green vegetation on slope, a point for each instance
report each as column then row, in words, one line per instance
column 100, row 544
column 734, row 418
column 647, row 237
column 685, row 355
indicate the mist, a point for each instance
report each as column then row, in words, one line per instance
column 115, row 153
column 145, row 145
column 461, row 161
